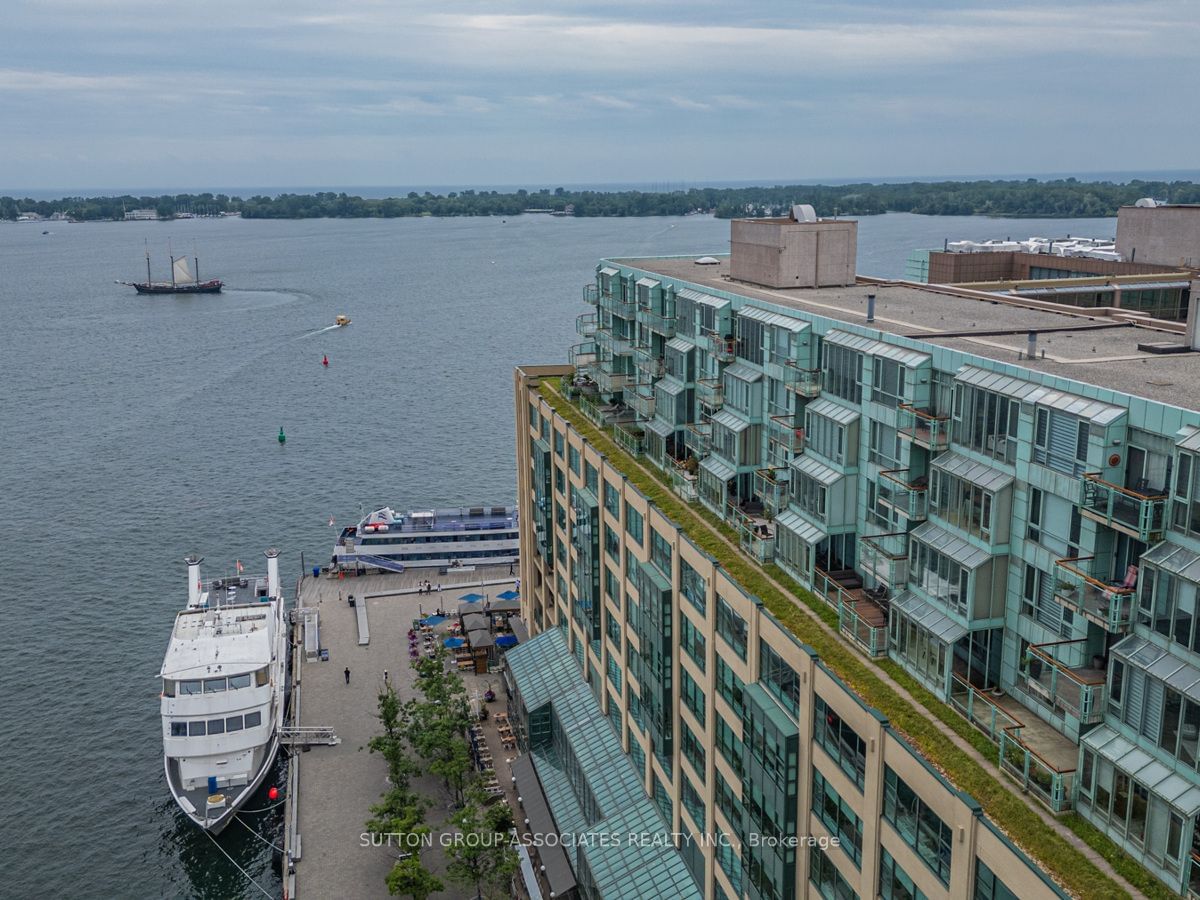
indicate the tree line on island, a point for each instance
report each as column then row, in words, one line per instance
column 1030, row 198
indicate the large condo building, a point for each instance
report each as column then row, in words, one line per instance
column 871, row 581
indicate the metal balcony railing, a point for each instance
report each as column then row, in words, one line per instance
column 867, row 633
column 807, row 382
column 591, row 294
column 615, row 305
column 922, row 427
column 585, row 324
column 611, row 382
column 630, row 438
column 1086, row 585
column 1056, row 674
column 782, row 430
column 886, row 557
column 909, row 498
column 697, row 437
column 771, row 487
column 641, row 400
column 1135, row 513
column 723, row 349
column 657, row 322
column 1052, row 786
column 582, row 355
column 683, row 481
column 710, row 392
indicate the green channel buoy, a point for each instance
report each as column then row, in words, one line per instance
column 282, row 436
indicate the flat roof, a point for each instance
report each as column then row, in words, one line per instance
column 1107, row 358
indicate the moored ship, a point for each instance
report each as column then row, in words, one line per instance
column 433, row 538
column 223, row 691
column 183, row 281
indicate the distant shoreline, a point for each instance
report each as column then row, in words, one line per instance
column 1028, row 198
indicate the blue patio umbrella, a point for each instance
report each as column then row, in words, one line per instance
column 454, row 642
column 506, row 640
column 433, row 620
column 471, row 598
column 508, row 595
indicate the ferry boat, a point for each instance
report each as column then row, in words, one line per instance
column 433, row 538
column 223, row 687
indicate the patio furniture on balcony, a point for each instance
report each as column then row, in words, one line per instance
column 783, row 431
column 723, row 349
column 771, row 486
column 1136, row 512
column 710, row 393
column 909, row 498
column 1087, row 586
column 1055, row 673
column 922, row 427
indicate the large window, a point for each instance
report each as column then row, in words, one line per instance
column 693, row 642
column 888, row 382
column 1170, row 606
column 826, row 879
column 691, row 695
column 918, row 825
column 1038, row 603
column 779, row 678
column 939, row 576
column 986, row 422
column 692, row 802
column 633, row 523
column 729, row 745
column 885, row 446
column 692, row 748
column 988, row 886
column 660, row 553
column 840, row 818
column 693, row 587
column 750, row 339
column 962, row 504
column 809, row 495
column 826, row 437
column 730, row 687
column 731, row 627
column 843, row 372
column 894, row 882
column 840, row 741
column 1185, row 498
column 612, row 499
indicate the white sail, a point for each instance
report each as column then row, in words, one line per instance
column 182, row 274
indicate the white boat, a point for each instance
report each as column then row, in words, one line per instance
column 431, row 538
column 223, row 687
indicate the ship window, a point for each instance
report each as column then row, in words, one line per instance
column 179, row 729
column 195, row 729
column 214, row 685
column 216, row 726
column 189, row 687
column 260, row 677
column 253, row 720
column 239, row 681
column 233, row 723
column 168, row 687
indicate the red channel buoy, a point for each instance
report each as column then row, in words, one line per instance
column 273, row 793
column 325, row 361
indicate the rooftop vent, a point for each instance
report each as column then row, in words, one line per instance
column 803, row 212
column 1147, row 202
column 708, row 261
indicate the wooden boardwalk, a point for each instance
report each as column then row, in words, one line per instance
column 332, row 788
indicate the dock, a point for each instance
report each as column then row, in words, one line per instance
column 332, row 784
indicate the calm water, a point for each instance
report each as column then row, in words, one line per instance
column 134, row 430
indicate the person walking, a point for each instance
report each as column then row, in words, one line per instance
column 347, row 674
column 385, row 676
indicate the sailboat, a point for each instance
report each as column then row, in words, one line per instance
column 182, row 280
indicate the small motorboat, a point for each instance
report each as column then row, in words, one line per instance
column 341, row 321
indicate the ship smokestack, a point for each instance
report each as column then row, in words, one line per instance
column 870, row 307
column 273, row 573
column 193, row 564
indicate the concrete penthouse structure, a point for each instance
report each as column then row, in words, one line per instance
column 1163, row 233
column 919, row 492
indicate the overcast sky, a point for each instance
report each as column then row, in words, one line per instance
column 128, row 93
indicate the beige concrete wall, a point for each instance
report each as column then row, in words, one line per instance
column 883, row 747
column 1166, row 235
column 781, row 253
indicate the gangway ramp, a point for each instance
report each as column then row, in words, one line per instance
column 380, row 562
column 364, row 631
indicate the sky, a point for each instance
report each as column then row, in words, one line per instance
column 128, row 93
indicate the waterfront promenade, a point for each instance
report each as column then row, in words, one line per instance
column 333, row 787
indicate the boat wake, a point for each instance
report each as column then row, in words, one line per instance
column 318, row 331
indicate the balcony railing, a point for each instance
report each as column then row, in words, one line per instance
column 723, row 349
column 782, row 430
column 1053, row 786
column 869, row 635
column 683, row 481
column 630, row 438
column 657, row 322
column 980, row 709
column 909, row 498
column 1055, row 674
column 1132, row 512
column 583, row 354
column 615, row 305
column 641, row 400
column 617, row 345
column 647, row 363
column 771, row 486
column 828, row 589
column 611, row 382
column 886, row 557
column 591, row 294
column 807, row 382
column 755, row 536
column 710, row 392
column 923, row 428
column 585, row 324
column 1085, row 585
column 697, row 437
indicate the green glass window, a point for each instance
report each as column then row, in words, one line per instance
column 693, row 587
column 779, row 678
column 692, row 696
column 841, row 820
column 573, row 459
column 894, row 882
column 730, row 687
column 693, row 642
column 840, row 741
column 731, row 627
column 692, row 747
column 633, row 524
column 918, row 825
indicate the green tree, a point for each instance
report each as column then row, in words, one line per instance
column 409, row 878
column 483, row 854
column 438, row 720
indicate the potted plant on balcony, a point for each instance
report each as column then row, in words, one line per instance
column 1066, row 589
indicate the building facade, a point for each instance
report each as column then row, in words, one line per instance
column 947, row 474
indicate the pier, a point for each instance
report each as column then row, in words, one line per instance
column 333, row 779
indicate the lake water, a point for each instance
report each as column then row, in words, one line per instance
column 135, row 430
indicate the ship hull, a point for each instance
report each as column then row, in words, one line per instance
column 216, row 823
column 154, row 287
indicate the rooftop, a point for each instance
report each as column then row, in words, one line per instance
column 240, row 631
column 1097, row 348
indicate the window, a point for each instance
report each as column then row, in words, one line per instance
column 843, row 372
column 253, row 720
column 179, row 729
column 216, row 726
column 894, row 882
column 195, row 729
column 613, row 672
column 887, row 383
column 939, row 576
column 239, row 681
column 611, row 586
column 730, row 687
column 779, row 678
column 560, row 480
column 824, row 436
column 885, row 446
column 692, row 802
column 1060, row 441
column 988, row 886
column 638, row 755
column 660, row 553
column 986, row 422
column 827, row 880
column 187, row 688
column 1185, row 496
column 612, row 545
column 590, row 478
column 1038, row 603
column 960, row 503
column 729, row 745
column 693, row 749
column 693, row 642
column 612, row 499
column 809, row 495
column 691, row 695
column 841, row 820
column 214, row 685
column 731, row 627
column 559, row 443
column 633, row 523
column 693, row 587
column 918, row 825
column 750, row 339
column 613, row 626
column 840, row 741
column 573, row 458
column 233, row 723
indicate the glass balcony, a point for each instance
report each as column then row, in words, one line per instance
column 783, row 431
column 886, row 557
column 583, row 354
column 710, row 392
column 615, row 305
column 697, row 437
column 591, row 294
column 611, row 382
column 585, row 324
column 641, row 399
column 923, row 428
column 806, row 383
column 646, row 362
column 1055, row 673
column 683, row 480
column 723, row 349
column 909, row 498
column 1086, row 585
column 771, row 486
column 1051, row 785
column 980, row 708
column 630, row 438
column 755, row 535
column 616, row 344
column 657, row 322
column 1137, row 514
column 866, row 625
